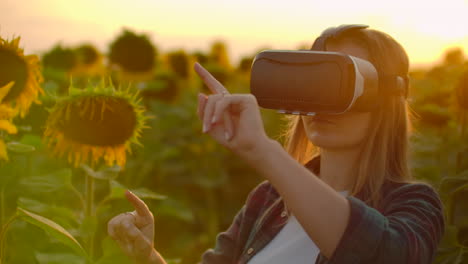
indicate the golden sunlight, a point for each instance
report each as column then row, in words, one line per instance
column 425, row 28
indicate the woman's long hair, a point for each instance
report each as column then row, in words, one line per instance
column 384, row 154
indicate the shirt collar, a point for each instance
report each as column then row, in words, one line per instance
column 314, row 165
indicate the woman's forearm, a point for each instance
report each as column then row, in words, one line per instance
column 322, row 212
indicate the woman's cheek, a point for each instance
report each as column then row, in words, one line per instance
column 346, row 131
column 322, row 135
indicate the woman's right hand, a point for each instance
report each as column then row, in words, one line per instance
column 134, row 232
column 233, row 120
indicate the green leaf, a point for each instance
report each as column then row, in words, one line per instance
column 24, row 128
column 447, row 185
column 105, row 173
column 19, row 147
column 176, row 209
column 50, row 182
column 88, row 226
column 58, row 258
column 32, row 140
column 63, row 216
column 450, row 236
column 54, row 230
column 74, row 91
column 88, row 170
column 110, row 172
column 453, row 255
column 118, row 192
column 148, row 194
column 174, row 261
column 112, row 254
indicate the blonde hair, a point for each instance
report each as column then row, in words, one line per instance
column 384, row 154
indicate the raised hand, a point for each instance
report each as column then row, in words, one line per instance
column 231, row 119
column 134, row 232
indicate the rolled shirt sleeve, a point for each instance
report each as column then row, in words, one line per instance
column 226, row 243
column 230, row 243
column 407, row 229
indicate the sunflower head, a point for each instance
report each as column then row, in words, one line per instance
column 89, row 60
column 60, row 58
column 134, row 54
column 6, row 114
column 96, row 124
column 87, row 54
column 23, row 71
column 219, row 54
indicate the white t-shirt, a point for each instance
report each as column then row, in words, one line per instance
column 291, row 245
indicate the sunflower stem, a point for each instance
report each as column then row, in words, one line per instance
column 464, row 125
column 89, row 212
column 463, row 134
column 2, row 205
column 3, row 231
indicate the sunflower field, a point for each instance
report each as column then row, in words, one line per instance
column 78, row 127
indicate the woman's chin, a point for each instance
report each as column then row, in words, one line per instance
column 329, row 142
column 322, row 141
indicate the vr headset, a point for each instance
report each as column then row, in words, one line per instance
column 317, row 81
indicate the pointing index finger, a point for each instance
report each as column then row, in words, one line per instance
column 214, row 85
column 140, row 206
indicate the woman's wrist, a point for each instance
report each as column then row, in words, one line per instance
column 257, row 155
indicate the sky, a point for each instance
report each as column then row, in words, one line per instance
column 425, row 28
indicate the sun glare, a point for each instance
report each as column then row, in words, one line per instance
column 425, row 28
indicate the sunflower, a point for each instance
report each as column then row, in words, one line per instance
column 6, row 114
column 61, row 58
column 23, row 71
column 95, row 124
column 89, row 61
column 134, row 56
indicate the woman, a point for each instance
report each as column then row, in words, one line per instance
column 339, row 192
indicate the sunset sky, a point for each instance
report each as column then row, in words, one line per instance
column 424, row 28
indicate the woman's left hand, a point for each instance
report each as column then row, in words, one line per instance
column 233, row 120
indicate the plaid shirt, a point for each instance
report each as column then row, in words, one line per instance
column 406, row 227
